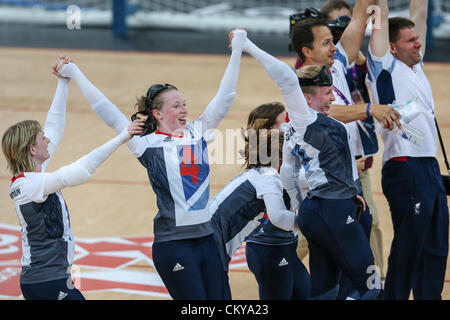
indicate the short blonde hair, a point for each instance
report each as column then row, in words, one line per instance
column 16, row 143
column 309, row 72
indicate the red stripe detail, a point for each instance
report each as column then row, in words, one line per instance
column 239, row 270
column 168, row 134
column 17, row 177
column 399, row 159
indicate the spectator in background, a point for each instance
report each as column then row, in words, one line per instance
column 336, row 12
column 411, row 178
column 312, row 39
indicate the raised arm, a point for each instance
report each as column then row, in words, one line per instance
column 105, row 109
column 379, row 39
column 353, row 35
column 82, row 170
column 56, row 118
column 287, row 81
column 220, row 105
column 418, row 12
column 101, row 105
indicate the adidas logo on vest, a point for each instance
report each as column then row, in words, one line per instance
column 283, row 262
column 178, row 267
column 62, row 295
column 349, row 220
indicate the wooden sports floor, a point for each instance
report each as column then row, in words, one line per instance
column 118, row 203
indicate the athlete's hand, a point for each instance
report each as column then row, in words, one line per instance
column 387, row 115
column 361, row 164
column 362, row 201
column 67, row 68
column 60, row 62
column 136, row 127
column 237, row 38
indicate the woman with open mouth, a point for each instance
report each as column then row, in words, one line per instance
column 174, row 152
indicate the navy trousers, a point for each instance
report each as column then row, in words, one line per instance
column 345, row 285
column 279, row 272
column 337, row 243
column 62, row 289
column 192, row 269
column 419, row 212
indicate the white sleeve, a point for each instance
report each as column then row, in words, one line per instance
column 287, row 82
column 220, row 105
column 103, row 107
column 341, row 57
column 375, row 65
column 114, row 118
column 71, row 70
column 82, row 170
column 277, row 212
column 111, row 115
column 269, row 188
column 56, row 118
column 289, row 175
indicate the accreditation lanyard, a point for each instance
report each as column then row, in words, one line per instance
column 340, row 94
column 359, row 122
